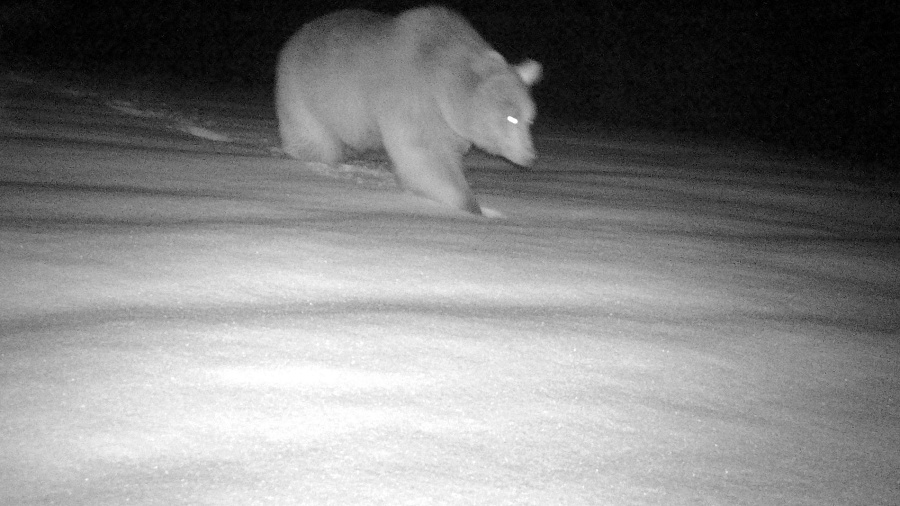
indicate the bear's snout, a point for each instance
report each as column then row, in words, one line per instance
column 521, row 155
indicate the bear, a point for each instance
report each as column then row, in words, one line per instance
column 422, row 86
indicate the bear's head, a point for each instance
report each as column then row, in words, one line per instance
column 502, row 108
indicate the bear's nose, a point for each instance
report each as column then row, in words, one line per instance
column 526, row 158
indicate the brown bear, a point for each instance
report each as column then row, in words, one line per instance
column 424, row 86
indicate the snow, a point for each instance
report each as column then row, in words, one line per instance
column 189, row 318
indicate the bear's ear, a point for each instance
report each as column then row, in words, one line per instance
column 529, row 71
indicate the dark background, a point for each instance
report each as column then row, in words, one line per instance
column 820, row 82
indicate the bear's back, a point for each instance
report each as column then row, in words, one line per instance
column 439, row 37
column 341, row 39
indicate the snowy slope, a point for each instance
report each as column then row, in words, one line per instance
column 189, row 318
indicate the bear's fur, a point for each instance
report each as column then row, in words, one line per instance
column 424, row 86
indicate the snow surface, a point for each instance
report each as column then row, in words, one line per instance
column 187, row 317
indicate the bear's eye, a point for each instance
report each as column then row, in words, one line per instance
column 512, row 119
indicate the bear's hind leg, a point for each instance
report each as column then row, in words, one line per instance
column 303, row 136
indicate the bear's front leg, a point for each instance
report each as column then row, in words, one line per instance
column 435, row 173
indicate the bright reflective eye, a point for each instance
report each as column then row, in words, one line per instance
column 513, row 120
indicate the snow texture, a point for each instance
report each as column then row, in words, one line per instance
column 187, row 317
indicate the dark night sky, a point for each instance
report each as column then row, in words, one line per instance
column 824, row 81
